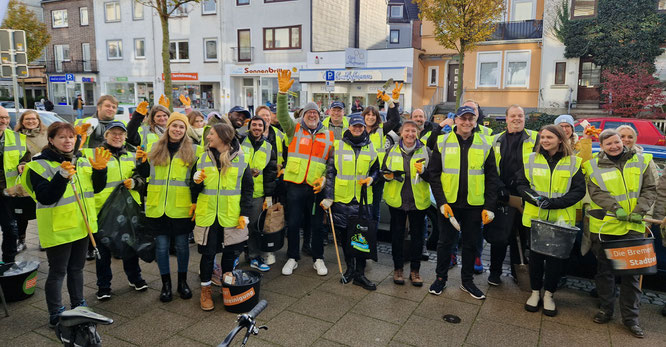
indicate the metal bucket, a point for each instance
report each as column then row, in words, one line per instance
column 631, row 256
column 552, row 239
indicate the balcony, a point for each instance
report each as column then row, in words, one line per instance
column 71, row 66
column 245, row 55
column 529, row 29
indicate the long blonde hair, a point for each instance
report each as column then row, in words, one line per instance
column 227, row 134
column 159, row 155
column 19, row 125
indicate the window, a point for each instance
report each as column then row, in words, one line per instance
column 615, row 124
column 661, row 6
column 112, row 12
column 488, row 69
column 395, row 11
column 282, row 38
column 523, row 10
column 59, row 18
column 560, row 72
column 208, row 7
column 395, row 36
column 583, row 8
column 244, row 45
column 517, row 73
column 85, row 50
column 60, row 54
column 179, row 51
column 181, row 11
column 210, row 49
column 83, row 16
column 139, row 49
column 114, row 49
column 137, row 11
column 433, row 76
column 242, row 2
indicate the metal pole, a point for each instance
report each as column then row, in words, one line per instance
column 12, row 54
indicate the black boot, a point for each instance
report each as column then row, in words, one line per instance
column 165, row 295
column 350, row 273
column 183, row 288
column 361, row 280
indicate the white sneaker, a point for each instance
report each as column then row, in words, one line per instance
column 289, row 267
column 320, row 267
column 269, row 258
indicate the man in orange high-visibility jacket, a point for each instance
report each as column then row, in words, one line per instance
column 310, row 146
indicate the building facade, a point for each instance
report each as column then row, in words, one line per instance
column 71, row 64
column 404, row 25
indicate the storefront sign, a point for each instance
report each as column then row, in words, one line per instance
column 355, row 57
column 353, row 75
column 57, row 79
column 88, row 79
column 403, row 74
column 120, row 79
column 183, row 76
column 261, row 69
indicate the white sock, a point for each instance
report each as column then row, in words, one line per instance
column 205, row 284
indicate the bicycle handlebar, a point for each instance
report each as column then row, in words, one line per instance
column 257, row 309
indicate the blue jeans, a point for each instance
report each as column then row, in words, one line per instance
column 103, row 267
column 79, row 113
column 162, row 243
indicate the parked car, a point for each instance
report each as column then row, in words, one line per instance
column 648, row 133
column 124, row 112
column 47, row 117
column 9, row 104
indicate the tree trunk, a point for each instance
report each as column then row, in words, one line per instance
column 166, row 61
column 459, row 87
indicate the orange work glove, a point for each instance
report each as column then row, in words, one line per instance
column 129, row 183
column 142, row 108
column 592, row 131
column 383, row 96
column 141, row 155
column 100, row 159
column 446, row 211
column 419, row 166
column 389, row 176
column 164, row 101
column 366, row 181
column 193, row 208
column 280, row 173
column 66, row 169
column 284, row 80
column 199, row 176
column 487, row 216
column 185, row 100
column 319, row 184
column 82, row 129
column 396, row 91
column 242, row 222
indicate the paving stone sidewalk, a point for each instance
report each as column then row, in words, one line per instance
column 308, row 310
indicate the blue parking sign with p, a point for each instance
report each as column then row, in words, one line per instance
column 330, row 75
column 69, row 77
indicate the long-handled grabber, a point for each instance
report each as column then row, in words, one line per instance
column 337, row 252
column 85, row 219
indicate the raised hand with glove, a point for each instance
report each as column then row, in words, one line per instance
column 141, row 155
column 100, row 159
column 66, row 169
column 381, row 95
column 318, row 185
column 83, row 130
column 199, row 177
column 366, row 181
column 242, row 222
column 192, row 213
column 284, row 80
column 164, row 101
column 142, row 108
column 129, row 183
column 268, row 202
column 185, row 100
column 396, row 92
column 487, row 216
column 326, row 204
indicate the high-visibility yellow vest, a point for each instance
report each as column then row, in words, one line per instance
column 63, row 222
column 379, row 142
column 393, row 188
column 222, row 192
column 528, row 146
column 624, row 186
column 117, row 171
column 425, row 137
column 307, row 155
column 350, row 169
column 257, row 160
column 485, row 130
column 14, row 150
column 345, row 123
column 168, row 190
column 449, row 149
column 279, row 144
column 551, row 185
column 147, row 136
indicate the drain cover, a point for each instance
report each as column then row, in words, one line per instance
column 451, row 318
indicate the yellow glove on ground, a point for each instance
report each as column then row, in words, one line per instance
column 284, row 80
column 100, row 159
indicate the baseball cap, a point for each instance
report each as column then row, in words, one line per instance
column 239, row 109
column 339, row 104
column 115, row 124
column 273, row 108
column 356, row 119
column 462, row 110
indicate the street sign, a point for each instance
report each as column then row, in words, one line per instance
column 70, row 77
column 330, row 75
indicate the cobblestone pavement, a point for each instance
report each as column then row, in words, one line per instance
column 309, row 310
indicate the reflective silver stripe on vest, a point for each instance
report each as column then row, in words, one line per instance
column 443, row 145
column 340, row 158
column 152, row 178
column 17, row 145
column 240, row 164
column 597, row 173
column 303, row 133
column 65, row 201
column 263, row 148
column 112, row 184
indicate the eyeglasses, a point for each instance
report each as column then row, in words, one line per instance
column 4, row 117
column 466, row 119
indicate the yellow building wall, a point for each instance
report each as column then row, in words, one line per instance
column 428, row 91
column 418, row 83
column 503, row 96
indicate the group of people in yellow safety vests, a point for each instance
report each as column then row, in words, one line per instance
column 208, row 183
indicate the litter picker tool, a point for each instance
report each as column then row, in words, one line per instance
column 337, row 252
column 522, row 271
column 85, row 219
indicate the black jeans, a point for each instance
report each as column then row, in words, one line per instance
column 470, row 225
column 214, row 246
column 416, row 221
column 498, row 250
column 553, row 270
column 9, row 229
column 301, row 199
column 103, row 267
column 65, row 260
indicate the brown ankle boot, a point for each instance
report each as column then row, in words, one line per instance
column 415, row 278
column 206, row 300
column 397, row 277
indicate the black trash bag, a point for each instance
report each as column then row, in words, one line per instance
column 361, row 235
column 122, row 227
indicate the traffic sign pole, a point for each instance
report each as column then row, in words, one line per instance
column 14, row 79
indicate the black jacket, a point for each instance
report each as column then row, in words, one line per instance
column 247, row 184
column 342, row 211
column 139, row 175
column 574, row 195
column 133, row 137
column 492, row 181
column 511, row 162
column 270, row 171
